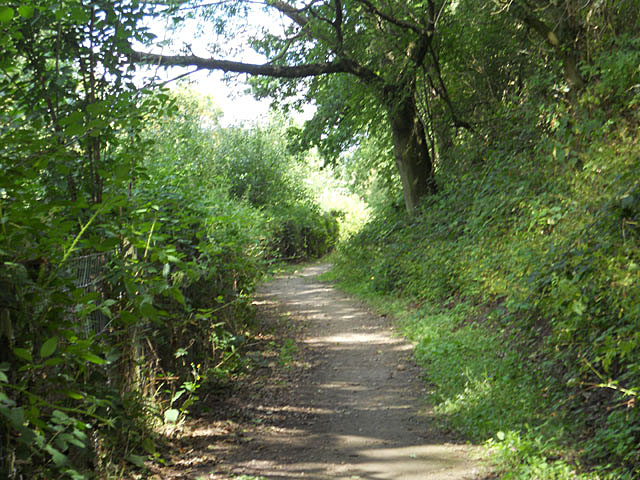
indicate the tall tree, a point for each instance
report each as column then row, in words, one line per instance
column 382, row 45
column 573, row 28
column 559, row 24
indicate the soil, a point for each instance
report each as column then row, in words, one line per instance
column 333, row 394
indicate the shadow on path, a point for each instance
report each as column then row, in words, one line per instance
column 357, row 410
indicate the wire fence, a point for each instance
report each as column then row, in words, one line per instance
column 90, row 273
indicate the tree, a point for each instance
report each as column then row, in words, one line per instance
column 384, row 46
column 559, row 25
column 573, row 28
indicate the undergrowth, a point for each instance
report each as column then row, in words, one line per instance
column 519, row 285
column 117, row 312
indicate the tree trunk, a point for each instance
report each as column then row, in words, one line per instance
column 572, row 72
column 411, row 151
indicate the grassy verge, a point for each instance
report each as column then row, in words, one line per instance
column 485, row 389
column 520, row 288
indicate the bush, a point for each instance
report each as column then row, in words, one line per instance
column 301, row 232
column 526, row 267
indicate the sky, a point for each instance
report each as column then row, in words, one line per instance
column 236, row 105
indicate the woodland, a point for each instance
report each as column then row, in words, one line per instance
column 492, row 148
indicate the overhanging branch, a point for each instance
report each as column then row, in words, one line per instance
column 268, row 70
column 388, row 18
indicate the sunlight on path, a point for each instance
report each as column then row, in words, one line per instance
column 368, row 417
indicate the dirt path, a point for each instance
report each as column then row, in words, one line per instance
column 353, row 407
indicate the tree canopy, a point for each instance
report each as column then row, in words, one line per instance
column 393, row 54
column 384, row 47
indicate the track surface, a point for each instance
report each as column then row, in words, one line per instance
column 368, row 419
column 355, row 409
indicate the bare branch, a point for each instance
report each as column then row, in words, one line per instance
column 388, row 18
column 269, row 70
column 175, row 79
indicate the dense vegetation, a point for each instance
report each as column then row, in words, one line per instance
column 133, row 229
column 496, row 143
column 519, row 280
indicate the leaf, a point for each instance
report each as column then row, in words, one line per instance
column 52, row 362
column 128, row 318
column 80, row 435
column 61, row 442
column 25, row 11
column 59, row 417
column 96, row 108
column 58, row 457
column 6, row 400
column 3, row 377
column 96, row 123
column 73, row 395
column 69, row 438
column 149, row 311
column 105, row 310
column 23, row 354
column 112, row 356
column 79, row 15
column 500, row 436
column 148, row 445
column 180, row 352
column 74, row 129
column 122, row 172
column 14, row 415
column 93, row 358
column 171, row 415
column 177, row 395
column 6, row 14
column 578, row 307
column 176, row 294
column 49, row 347
column 137, row 460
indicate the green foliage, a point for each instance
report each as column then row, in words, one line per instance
column 68, row 146
column 133, row 227
column 525, row 267
column 300, row 232
column 217, row 196
column 126, row 262
column 259, row 168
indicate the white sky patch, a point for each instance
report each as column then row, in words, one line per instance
column 230, row 96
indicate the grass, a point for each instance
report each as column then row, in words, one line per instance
column 519, row 286
column 484, row 390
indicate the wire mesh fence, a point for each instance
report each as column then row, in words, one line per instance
column 90, row 272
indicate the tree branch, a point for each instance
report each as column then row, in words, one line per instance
column 297, row 16
column 337, row 24
column 287, row 46
column 290, row 11
column 396, row 21
column 268, row 70
column 541, row 28
column 457, row 122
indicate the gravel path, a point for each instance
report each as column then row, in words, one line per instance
column 350, row 404
column 369, row 420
